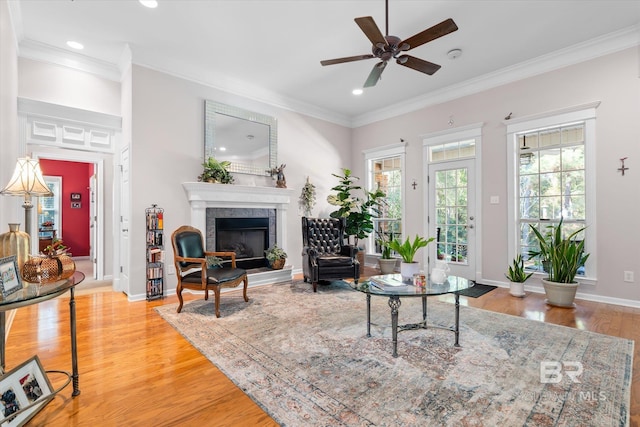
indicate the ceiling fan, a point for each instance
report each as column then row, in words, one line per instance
column 388, row 47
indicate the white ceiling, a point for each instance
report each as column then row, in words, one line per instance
column 271, row 50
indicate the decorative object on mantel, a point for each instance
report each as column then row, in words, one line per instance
column 307, row 198
column 276, row 257
column 216, row 172
column 622, row 168
column 52, row 265
column 15, row 242
column 281, row 181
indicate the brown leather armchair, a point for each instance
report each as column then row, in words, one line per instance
column 325, row 256
column 191, row 267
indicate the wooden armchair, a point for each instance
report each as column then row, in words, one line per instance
column 191, row 267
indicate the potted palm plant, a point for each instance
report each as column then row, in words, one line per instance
column 565, row 256
column 517, row 276
column 407, row 250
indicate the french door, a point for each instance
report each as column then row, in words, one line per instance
column 452, row 212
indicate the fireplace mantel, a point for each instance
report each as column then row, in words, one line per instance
column 203, row 195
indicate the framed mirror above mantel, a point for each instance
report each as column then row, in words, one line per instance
column 245, row 138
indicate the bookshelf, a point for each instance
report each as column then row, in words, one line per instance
column 155, row 252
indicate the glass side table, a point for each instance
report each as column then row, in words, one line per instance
column 35, row 293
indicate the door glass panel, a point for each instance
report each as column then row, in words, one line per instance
column 50, row 209
column 451, row 214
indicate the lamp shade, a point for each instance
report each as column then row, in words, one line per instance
column 27, row 180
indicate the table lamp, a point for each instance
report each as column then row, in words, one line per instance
column 27, row 181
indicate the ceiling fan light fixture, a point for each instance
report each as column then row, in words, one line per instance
column 357, row 92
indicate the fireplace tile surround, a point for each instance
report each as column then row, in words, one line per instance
column 208, row 201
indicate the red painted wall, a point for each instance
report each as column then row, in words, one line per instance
column 75, row 222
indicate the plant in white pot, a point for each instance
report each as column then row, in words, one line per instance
column 565, row 255
column 407, row 250
column 517, row 276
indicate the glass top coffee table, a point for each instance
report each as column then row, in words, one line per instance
column 392, row 286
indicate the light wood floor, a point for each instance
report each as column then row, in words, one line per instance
column 136, row 370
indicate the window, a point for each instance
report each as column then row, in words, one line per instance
column 384, row 171
column 552, row 181
column 50, row 208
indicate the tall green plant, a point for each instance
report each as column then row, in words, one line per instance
column 565, row 255
column 408, row 249
column 356, row 204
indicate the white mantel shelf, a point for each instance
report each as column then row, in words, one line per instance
column 225, row 195
column 203, row 195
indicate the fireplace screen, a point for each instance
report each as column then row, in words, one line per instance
column 247, row 237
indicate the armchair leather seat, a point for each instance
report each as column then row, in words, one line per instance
column 191, row 267
column 325, row 256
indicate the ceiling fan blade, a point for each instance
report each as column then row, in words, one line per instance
column 375, row 74
column 437, row 31
column 371, row 30
column 418, row 64
column 346, row 59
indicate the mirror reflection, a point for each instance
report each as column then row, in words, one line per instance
column 244, row 138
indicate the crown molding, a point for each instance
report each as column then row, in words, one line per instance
column 607, row 44
column 31, row 49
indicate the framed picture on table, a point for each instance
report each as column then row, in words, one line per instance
column 24, row 391
column 10, row 281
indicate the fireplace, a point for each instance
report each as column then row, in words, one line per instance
column 247, row 237
column 211, row 202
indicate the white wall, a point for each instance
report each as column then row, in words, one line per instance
column 613, row 80
column 168, row 146
column 10, row 210
column 65, row 86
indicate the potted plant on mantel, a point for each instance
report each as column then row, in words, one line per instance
column 216, row 172
column 517, row 276
column 407, row 250
column 565, row 256
column 276, row 257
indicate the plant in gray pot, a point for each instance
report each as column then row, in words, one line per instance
column 517, row 276
column 565, row 256
column 386, row 262
column 407, row 250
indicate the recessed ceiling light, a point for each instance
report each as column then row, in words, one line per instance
column 75, row 45
column 152, row 4
column 357, row 91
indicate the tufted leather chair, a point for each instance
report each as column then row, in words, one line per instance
column 192, row 272
column 324, row 254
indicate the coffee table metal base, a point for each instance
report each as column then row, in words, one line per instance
column 394, row 304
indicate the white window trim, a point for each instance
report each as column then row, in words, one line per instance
column 584, row 113
column 392, row 150
column 472, row 131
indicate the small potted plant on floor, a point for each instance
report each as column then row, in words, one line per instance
column 407, row 250
column 565, row 255
column 517, row 276
column 276, row 257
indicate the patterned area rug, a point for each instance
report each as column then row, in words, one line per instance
column 306, row 360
